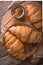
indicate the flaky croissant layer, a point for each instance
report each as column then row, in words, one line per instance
column 16, row 37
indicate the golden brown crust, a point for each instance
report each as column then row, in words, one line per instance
column 17, row 49
column 34, row 14
column 14, row 46
column 38, row 25
column 24, row 33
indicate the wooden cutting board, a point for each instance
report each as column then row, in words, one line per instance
column 6, row 59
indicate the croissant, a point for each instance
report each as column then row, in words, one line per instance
column 34, row 14
column 16, row 37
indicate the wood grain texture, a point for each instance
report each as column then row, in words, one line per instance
column 3, row 9
column 6, row 59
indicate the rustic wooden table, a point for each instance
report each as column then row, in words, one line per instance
column 6, row 59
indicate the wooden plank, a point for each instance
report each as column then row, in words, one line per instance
column 6, row 59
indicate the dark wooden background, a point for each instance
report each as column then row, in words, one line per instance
column 6, row 59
